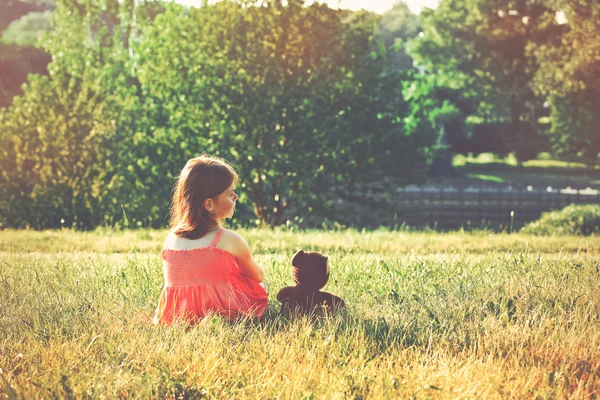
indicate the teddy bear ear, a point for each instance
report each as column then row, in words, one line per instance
column 297, row 256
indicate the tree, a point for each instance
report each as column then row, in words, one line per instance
column 50, row 148
column 59, row 139
column 12, row 10
column 16, row 63
column 574, row 126
column 569, row 74
column 301, row 99
column 20, row 23
column 481, row 45
column 26, row 30
column 398, row 24
column 569, row 59
column 306, row 106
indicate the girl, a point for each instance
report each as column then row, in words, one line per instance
column 207, row 268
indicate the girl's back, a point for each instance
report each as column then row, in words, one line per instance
column 207, row 268
column 202, row 278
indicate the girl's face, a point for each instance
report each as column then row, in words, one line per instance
column 223, row 205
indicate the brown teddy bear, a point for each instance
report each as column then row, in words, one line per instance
column 311, row 273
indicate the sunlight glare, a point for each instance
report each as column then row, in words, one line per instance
column 561, row 18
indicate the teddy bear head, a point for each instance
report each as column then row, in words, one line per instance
column 310, row 269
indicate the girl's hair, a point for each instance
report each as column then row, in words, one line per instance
column 202, row 178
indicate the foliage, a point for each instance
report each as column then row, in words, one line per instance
column 508, row 58
column 438, row 108
column 57, row 138
column 20, row 22
column 480, row 47
column 26, row 30
column 398, row 24
column 568, row 74
column 311, row 104
column 12, row 10
column 301, row 99
column 16, row 63
column 571, row 220
column 575, row 122
column 569, row 60
column 46, row 168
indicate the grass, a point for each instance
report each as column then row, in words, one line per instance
column 487, row 178
column 488, row 169
column 430, row 315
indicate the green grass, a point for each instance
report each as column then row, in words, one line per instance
column 489, row 169
column 543, row 161
column 487, row 178
column 430, row 315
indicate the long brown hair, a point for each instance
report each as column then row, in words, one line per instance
column 202, row 178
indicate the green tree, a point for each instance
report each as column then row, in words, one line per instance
column 12, row 10
column 569, row 74
column 574, row 126
column 26, row 30
column 301, row 99
column 481, row 46
column 398, row 24
column 306, row 107
column 49, row 142
column 60, row 138
column 16, row 63
column 20, row 23
column 569, row 58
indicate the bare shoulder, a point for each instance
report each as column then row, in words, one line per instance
column 171, row 241
column 234, row 243
column 237, row 246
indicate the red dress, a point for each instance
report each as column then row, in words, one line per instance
column 205, row 281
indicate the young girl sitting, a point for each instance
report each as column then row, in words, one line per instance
column 207, row 268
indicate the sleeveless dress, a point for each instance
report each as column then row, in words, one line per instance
column 205, row 281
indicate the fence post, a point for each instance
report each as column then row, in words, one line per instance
column 461, row 204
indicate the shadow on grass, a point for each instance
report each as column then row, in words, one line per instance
column 380, row 334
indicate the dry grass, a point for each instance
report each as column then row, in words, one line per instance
column 430, row 316
column 271, row 241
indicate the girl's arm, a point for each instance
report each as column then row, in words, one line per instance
column 240, row 250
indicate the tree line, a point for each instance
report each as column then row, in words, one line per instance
column 518, row 76
column 307, row 102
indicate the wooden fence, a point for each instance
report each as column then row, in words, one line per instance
column 452, row 207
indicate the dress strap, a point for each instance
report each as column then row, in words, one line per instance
column 218, row 235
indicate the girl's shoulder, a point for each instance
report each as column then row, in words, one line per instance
column 170, row 241
column 232, row 242
column 230, row 235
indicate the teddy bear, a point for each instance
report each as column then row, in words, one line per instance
column 311, row 272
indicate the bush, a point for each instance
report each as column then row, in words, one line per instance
column 26, row 30
column 545, row 156
column 571, row 220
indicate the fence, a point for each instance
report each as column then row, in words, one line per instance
column 451, row 207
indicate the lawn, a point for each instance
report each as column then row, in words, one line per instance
column 430, row 315
column 487, row 169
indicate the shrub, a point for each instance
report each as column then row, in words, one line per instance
column 571, row 220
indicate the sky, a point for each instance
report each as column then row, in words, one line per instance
column 378, row 6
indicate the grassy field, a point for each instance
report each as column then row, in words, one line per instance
column 490, row 170
column 430, row 315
